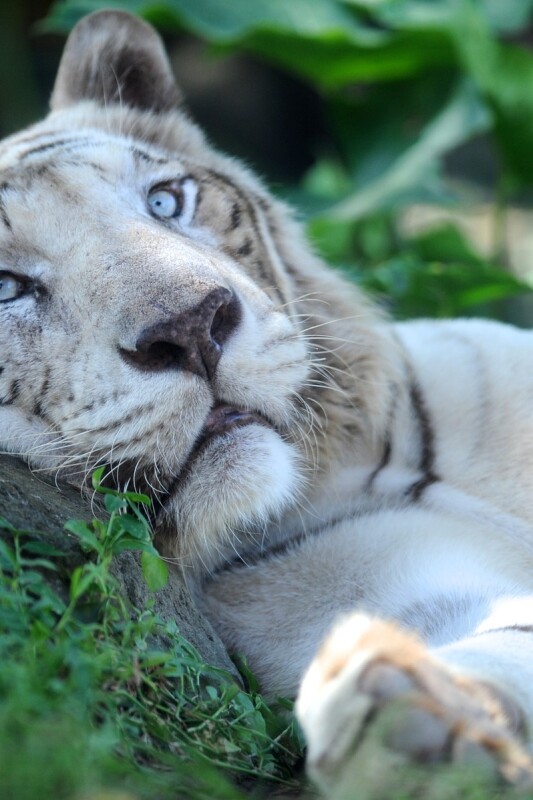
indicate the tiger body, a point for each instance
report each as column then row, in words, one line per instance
column 161, row 313
column 423, row 532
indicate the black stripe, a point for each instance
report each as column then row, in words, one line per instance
column 292, row 271
column 268, row 279
column 43, row 391
column 142, row 155
column 250, row 209
column 42, row 148
column 69, row 144
column 241, row 194
column 12, row 394
column 253, row 558
column 426, row 463
column 73, row 142
column 36, row 136
column 246, row 248
column 385, row 459
column 235, row 218
column 417, row 489
column 387, row 448
column 3, row 212
column 426, row 431
column 515, row 628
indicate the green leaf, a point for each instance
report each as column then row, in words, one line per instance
column 136, row 498
column 445, row 243
column 231, row 21
column 394, row 119
column 43, row 549
column 7, row 555
column 84, row 534
column 114, row 503
column 96, row 477
column 463, row 116
column 504, row 74
column 500, row 15
column 137, row 528
column 510, row 16
column 415, row 288
column 337, row 62
column 39, row 563
column 80, row 581
column 324, row 40
column 407, row 13
column 7, row 526
column 155, row 571
column 125, row 543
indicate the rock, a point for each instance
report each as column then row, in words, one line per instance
column 33, row 502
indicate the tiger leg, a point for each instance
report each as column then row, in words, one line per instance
column 376, row 698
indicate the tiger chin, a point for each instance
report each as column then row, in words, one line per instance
column 350, row 498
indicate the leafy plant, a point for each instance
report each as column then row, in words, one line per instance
column 87, row 701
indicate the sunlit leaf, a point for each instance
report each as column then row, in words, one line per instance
column 155, row 571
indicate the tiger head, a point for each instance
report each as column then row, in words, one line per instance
column 160, row 312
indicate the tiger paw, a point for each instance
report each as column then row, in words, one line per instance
column 375, row 700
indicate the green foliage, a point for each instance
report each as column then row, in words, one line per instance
column 90, row 704
column 436, row 274
column 404, row 83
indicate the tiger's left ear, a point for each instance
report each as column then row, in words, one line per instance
column 114, row 57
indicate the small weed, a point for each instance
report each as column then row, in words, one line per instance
column 89, row 707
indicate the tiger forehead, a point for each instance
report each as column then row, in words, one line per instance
column 29, row 158
column 31, row 145
column 62, row 157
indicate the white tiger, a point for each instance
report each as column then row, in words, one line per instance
column 161, row 313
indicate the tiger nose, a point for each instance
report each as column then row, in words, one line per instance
column 192, row 340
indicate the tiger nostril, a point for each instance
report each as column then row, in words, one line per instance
column 192, row 340
column 165, row 355
column 225, row 320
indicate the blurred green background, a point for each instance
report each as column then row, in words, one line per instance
column 402, row 130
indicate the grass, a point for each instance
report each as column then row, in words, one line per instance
column 91, row 709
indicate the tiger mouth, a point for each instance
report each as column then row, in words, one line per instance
column 222, row 419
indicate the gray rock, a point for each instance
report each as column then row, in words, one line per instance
column 30, row 501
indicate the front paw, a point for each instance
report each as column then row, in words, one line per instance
column 375, row 699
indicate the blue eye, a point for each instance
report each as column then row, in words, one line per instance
column 165, row 203
column 10, row 287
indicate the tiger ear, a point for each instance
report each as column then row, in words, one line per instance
column 114, row 57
